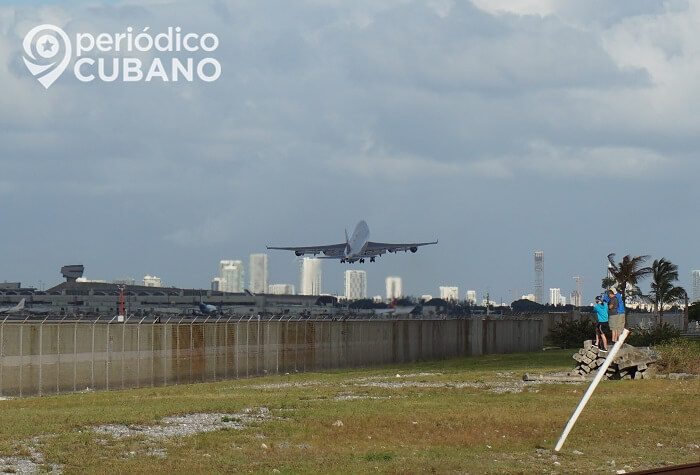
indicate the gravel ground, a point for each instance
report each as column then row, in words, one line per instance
column 34, row 463
column 183, row 426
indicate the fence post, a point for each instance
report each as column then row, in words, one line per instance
column 153, row 353
column 2, row 353
column 75, row 356
column 92, row 365
column 21, row 357
column 58, row 354
column 168, row 352
column 226, row 348
column 41, row 356
column 191, row 348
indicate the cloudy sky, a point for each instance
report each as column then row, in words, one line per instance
column 498, row 127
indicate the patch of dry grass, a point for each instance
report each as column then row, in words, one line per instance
column 680, row 356
column 447, row 419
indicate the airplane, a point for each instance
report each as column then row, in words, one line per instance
column 207, row 309
column 15, row 309
column 356, row 248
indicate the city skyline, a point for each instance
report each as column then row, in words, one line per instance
column 232, row 279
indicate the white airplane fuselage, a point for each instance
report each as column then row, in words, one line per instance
column 358, row 242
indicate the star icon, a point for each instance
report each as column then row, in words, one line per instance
column 47, row 45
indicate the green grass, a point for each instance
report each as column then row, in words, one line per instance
column 446, row 421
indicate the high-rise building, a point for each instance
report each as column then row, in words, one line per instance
column 232, row 275
column 310, row 280
column 152, row 281
column 471, row 297
column 281, row 289
column 355, row 284
column 539, row 277
column 696, row 286
column 449, row 293
column 575, row 298
column 258, row 273
column 554, row 296
column 394, row 288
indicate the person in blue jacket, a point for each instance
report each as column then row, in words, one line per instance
column 601, row 310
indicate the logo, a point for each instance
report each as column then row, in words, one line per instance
column 169, row 56
column 47, row 50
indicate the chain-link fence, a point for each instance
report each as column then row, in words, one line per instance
column 49, row 357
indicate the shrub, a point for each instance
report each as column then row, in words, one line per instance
column 679, row 356
column 572, row 334
column 653, row 336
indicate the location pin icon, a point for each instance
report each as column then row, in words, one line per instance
column 47, row 51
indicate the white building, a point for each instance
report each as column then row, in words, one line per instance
column 355, row 284
column 426, row 297
column 281, row 289
column 394, row 288
column 217, row 283
column 554, row 296
column 258, row 273
column 310, row 278
column 449, row 293
column 232, row 275
column 695, row 293
column 152, row 281
column 471, row 297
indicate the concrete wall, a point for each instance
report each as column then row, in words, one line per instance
column 50, row 358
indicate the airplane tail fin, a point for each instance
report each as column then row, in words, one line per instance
column 20, row 305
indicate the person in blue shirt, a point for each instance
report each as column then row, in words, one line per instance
column 601, row 310
column 616, row 313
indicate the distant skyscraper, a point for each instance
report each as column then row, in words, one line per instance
column 152, row 281
column 232, row 275
column 471, row 297
column 696, row 286
column 539, row 277
column 394, row 288
column 449, row 293
column 310, row 281
column 258, row 273
column 355, row 284
column 575, row 298
column 554, row 296
column 281, row 289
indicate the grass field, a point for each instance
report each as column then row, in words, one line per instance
column 469, row 415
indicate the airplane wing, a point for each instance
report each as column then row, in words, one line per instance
column 332, row 250
column 382, row 247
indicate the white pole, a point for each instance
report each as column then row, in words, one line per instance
column 591, row 388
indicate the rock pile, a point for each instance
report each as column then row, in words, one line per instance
column 629, row 362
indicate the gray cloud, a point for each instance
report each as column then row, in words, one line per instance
column 499, row 132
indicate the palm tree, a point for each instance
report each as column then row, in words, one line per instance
column 627, row 273
column 663, row 291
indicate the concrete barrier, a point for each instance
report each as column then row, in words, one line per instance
column 50, row 358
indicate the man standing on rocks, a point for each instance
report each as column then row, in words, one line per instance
column 617, row 324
